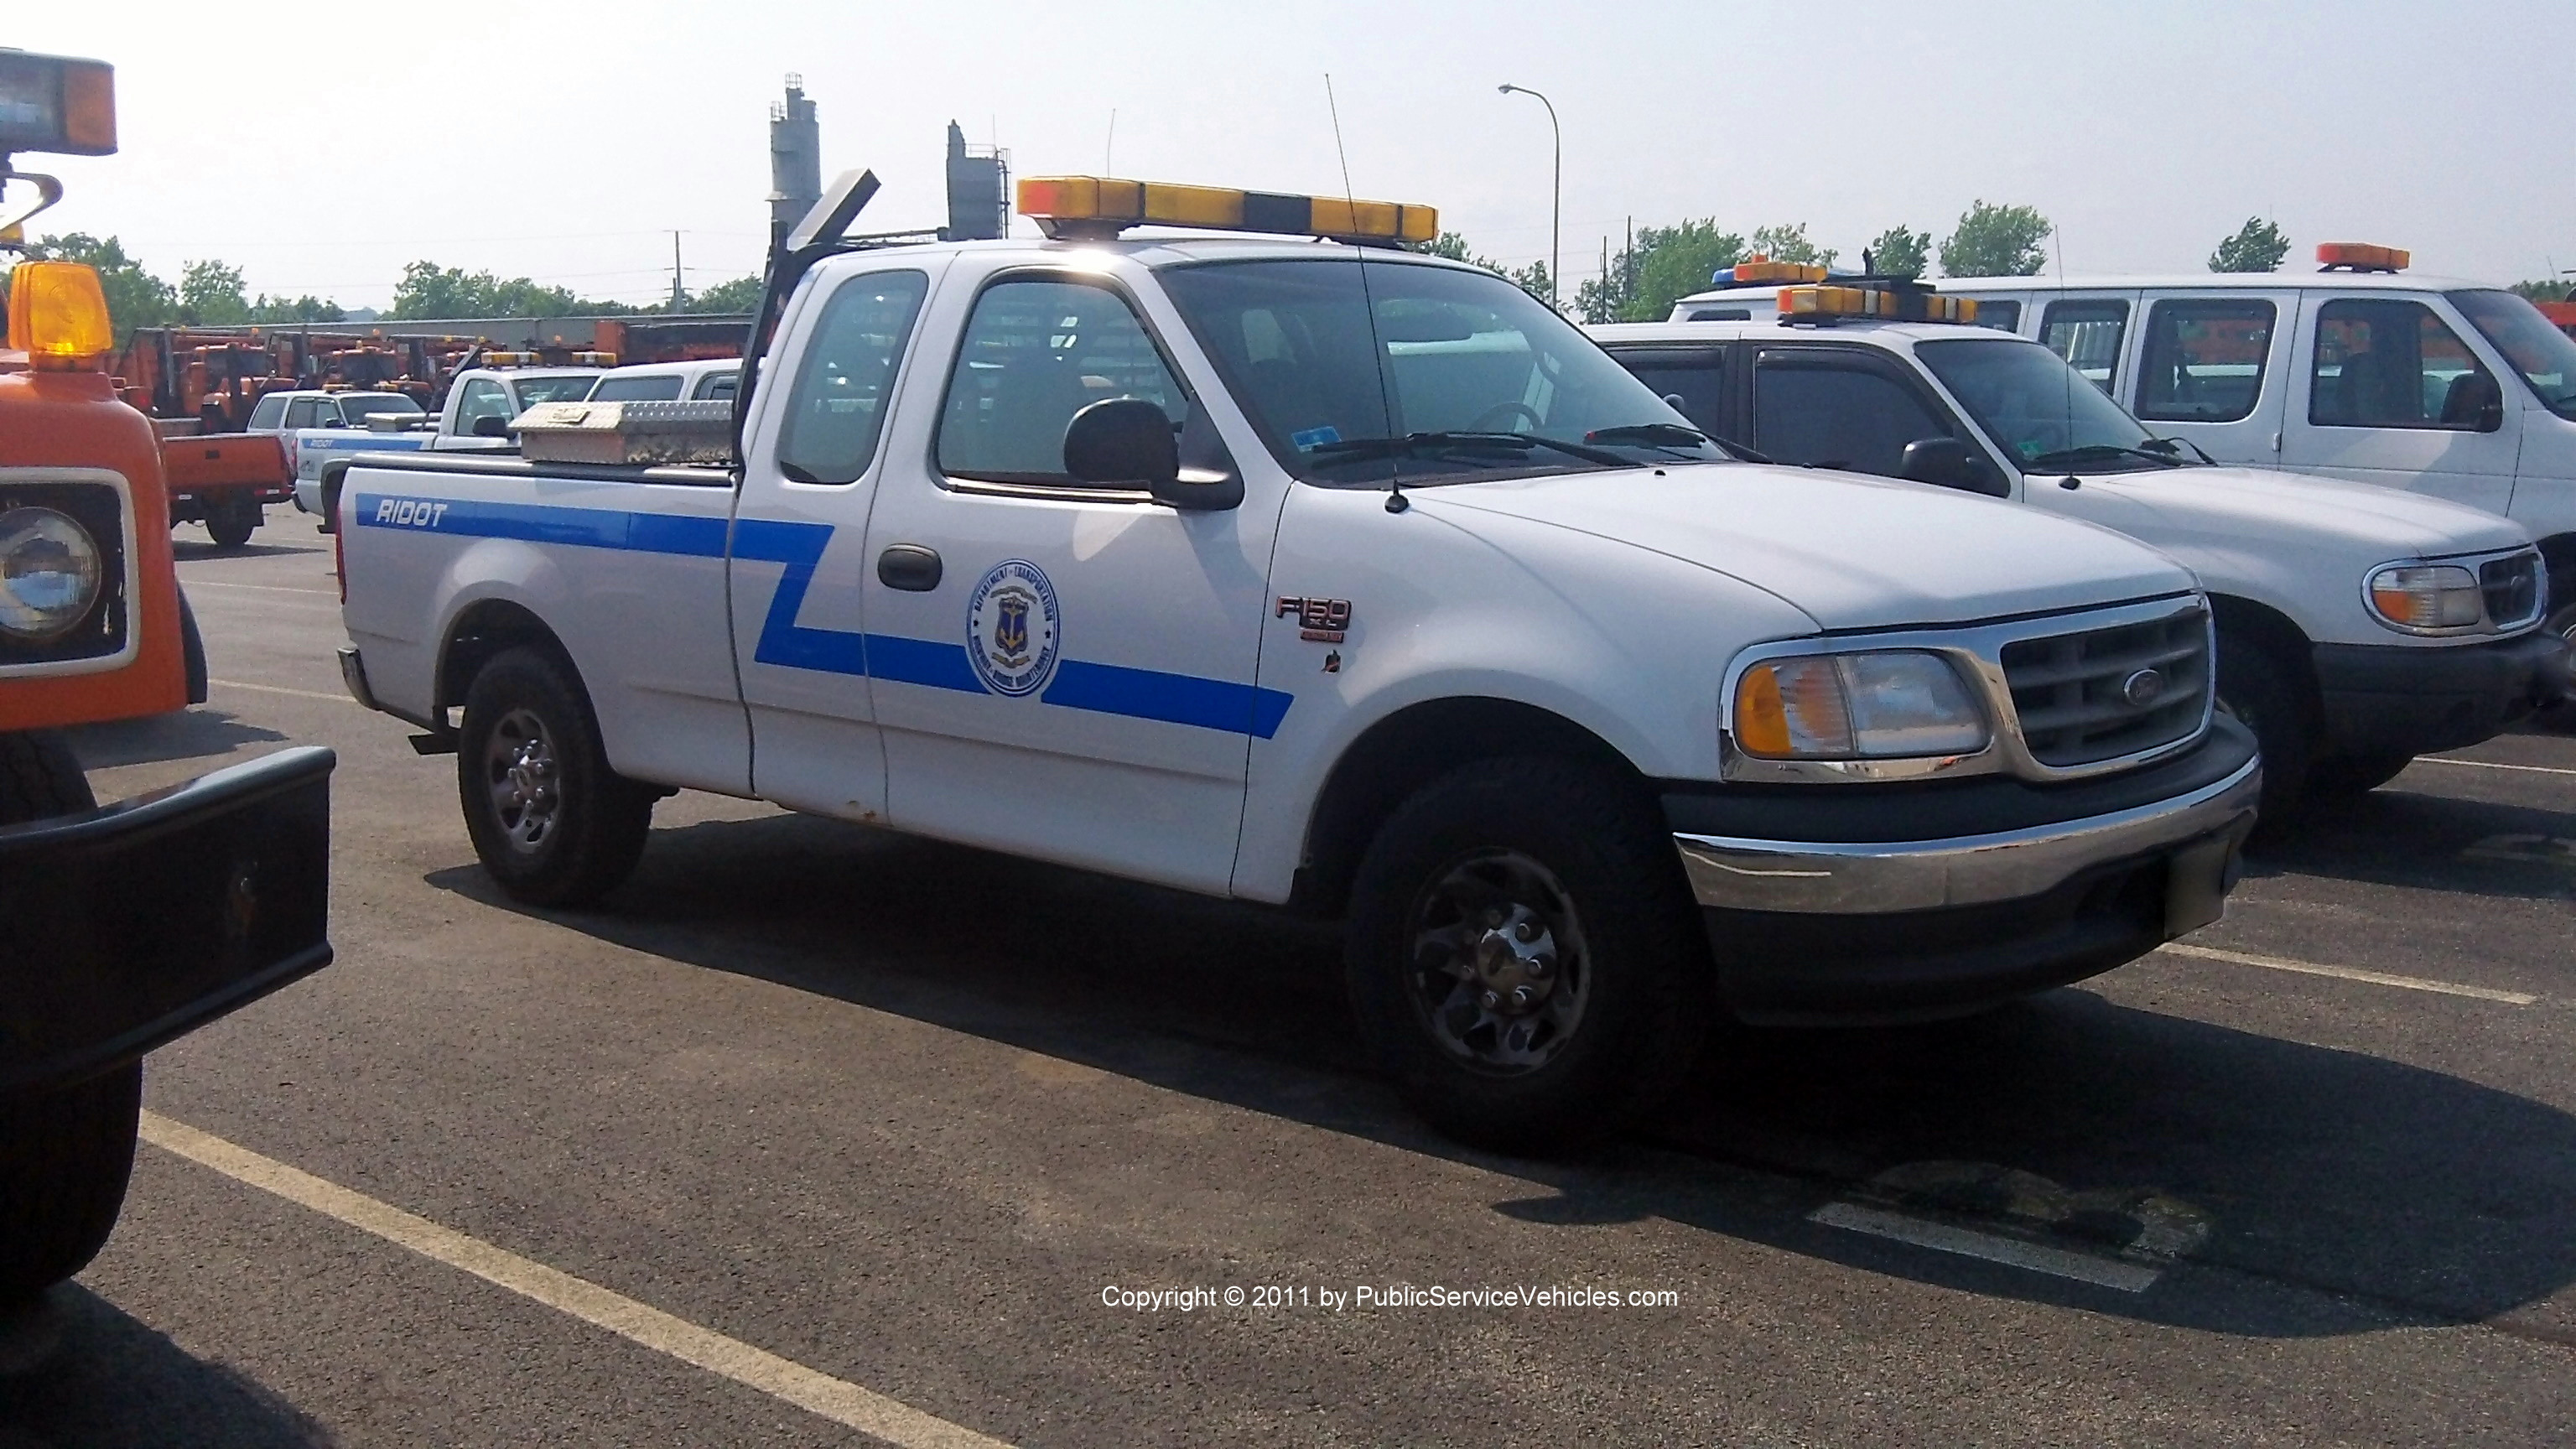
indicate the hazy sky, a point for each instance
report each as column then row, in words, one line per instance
column 322, row 147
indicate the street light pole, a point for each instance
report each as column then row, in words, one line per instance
column 1556, row 204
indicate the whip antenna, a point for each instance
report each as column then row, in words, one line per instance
column 1395, row 499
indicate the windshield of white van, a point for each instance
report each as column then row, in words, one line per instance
column 2545, row 356
column 2039, row 410
column 1426, row 373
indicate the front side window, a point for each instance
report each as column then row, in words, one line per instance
column 2203, row 360
column 1036, row 352
column 304, row 413
column 636, row 389
column 2536, row 347
column 1356, row 371
column 2037, row 408
column 2087, row 335
column 1693, row 382
column 836, row 411
column 2393, row 364
column 1836, row 415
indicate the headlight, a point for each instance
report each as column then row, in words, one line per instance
column 1856, row 706
column 49, row 573
column 2426, row 596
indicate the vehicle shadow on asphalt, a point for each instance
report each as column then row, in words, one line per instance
column 2388, row 1193
column 2446, row 842
column 115, row 1381
column 188, row 550
column 182, row 735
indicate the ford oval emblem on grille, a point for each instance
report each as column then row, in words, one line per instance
column 2143, row 688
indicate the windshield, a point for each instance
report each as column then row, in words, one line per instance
column 1425, row 373
column 2040, row 411
column 636, row 389
column 571, row 387
column 2545, row 356
column 354, row 406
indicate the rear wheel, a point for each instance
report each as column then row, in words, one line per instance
column 1524, row 957
column 2266, row 695
column 232, row 522
column 550, row 820
column 64, row 1155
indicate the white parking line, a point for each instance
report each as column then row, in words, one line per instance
column 2492, row 765
column 1992, row 1247
column 282, row 689
column 2349, row 973
column 331, row 594
column 838, row 1400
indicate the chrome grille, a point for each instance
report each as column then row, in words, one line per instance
column 2075, row 696
column 2512, row 589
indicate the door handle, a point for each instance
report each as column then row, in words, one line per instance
column 910, row 567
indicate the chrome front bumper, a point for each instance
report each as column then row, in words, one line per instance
column 1815, row 878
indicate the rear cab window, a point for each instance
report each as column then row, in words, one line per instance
column 665, row 388
column 837, row 409
column 1692, row 379
column 2202, row 359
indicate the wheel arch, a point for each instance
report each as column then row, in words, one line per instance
column 2558, row 556
column 479, row 632
column 2280, row 638
column 1386, row 763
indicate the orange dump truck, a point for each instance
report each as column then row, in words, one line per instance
column 125, row 926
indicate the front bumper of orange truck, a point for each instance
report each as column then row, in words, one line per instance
column 137, row 922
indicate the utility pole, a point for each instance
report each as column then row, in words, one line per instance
column 679, row 293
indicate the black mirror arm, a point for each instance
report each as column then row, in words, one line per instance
column 1208, row 479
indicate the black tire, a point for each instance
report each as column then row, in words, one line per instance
column 1626, row 993
column 2562, row 622
column 192, row 651
column 64, row 1155
column 2347, row 776
column 578, row 827
column 2269, row 696
column 231, row 524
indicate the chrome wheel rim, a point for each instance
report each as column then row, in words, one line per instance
column 527, row 790
column 1495, row 962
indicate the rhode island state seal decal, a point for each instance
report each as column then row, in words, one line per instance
column 1011, row 628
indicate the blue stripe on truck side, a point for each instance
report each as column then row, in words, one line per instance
column 1119, row 689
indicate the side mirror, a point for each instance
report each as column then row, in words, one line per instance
column 2474, row 401
column 1950, row 463
column 491, row 425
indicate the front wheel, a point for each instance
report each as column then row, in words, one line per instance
column 2561, row 714
column 551, row 821
column 64, row 1155
column 2258, row 687
column 1524, row 956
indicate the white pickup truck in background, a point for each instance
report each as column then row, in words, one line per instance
column 1337, row 577
column 474, row 418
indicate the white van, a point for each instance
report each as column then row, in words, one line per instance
column 2446, row 386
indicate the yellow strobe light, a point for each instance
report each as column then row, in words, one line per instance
column 58, row 315
column 1068, row 206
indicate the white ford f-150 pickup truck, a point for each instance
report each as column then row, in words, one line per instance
column 475, row 418
column 1332, row 576
column 2358, row 626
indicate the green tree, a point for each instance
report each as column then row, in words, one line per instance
column 1996, row 241
column 2258, row 246
column 2545, row 291
column 307, row 308
column 210, row 295
column 739, row 295
column 1665, row 264
column 135, row 297
column 428, row 290
column 1788, row 243
column 1452, row 246
column 1897, row 252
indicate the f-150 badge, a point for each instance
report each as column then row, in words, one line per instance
column 1011, row 628
column 1320, row 621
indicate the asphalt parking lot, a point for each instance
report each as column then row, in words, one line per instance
column 819, row 1136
